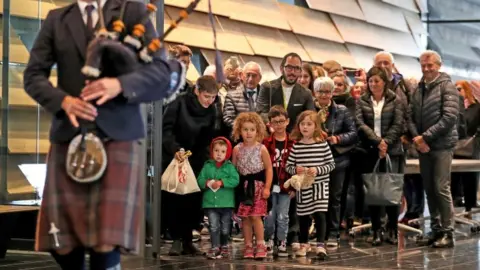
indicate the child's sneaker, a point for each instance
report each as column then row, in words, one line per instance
column 302, row 251
column 295, row 246
column 213, row 253
column 225, row 252
column 261, row 251
column 270, row 245
column 282, row 250
column 321, row 251
column 248, row 253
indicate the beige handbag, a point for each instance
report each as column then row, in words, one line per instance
column 179, row 178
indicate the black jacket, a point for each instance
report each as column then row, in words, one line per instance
column 340, row 123
column 391, row 123
column 433, row 113
column 188, row 125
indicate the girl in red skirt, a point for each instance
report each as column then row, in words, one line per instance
column 255, row 168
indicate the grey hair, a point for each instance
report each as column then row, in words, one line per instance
column 384, row 53
column 253, row 64
column 431, row 53
column 323, row 82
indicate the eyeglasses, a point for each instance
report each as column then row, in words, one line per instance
column 281, row 122
column 292, row 68
column 324, row 92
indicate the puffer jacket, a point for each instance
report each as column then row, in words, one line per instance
column 392, row 123
column 433, row 113
column 341, row 123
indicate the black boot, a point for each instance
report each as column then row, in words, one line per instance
column 190, row 249
column 377, row 238
column 392, row 237
column 446, row 241
column 430, row 238
column 176, row 248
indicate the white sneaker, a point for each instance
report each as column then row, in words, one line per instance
column 302, row 252
column 269, row 245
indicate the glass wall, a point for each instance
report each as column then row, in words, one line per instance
column 24, row 124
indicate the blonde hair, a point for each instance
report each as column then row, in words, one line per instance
column 318, row 134
column 249, row 117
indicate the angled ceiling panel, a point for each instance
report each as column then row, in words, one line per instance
column 410, row 5
column 306, row 22
column 194, row 31
column 362, row 33
column 276, row 63
column 408, row 66
column 260, row 12
column 293, row 45
column 323, row 50
column 347, row 8
column 232, row 39
column 264, row 40
column 29, row 8
column 415, row 23
column 219, row 7
column 383, row 14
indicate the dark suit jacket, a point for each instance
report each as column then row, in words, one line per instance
column 271, row 94
column 62, row 41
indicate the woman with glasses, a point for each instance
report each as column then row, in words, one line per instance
column 339, row 124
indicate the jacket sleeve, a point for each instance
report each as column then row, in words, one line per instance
column 263, row 100
column 411, row 125
column 396, row 129
column 203, row 178
column 309, row 105
column 228, row 111
column 449, row 114
column 233, row 178
column 151, row 82
column 462, row 122
column 362, row 127
column 349, row 134
column 170, row 144
column 291, row 162
column 37, row 72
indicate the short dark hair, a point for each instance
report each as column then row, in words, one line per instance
column 206, row 83
column 178, row 51
column 292, row 54
column 277, row 111
column 377, row 71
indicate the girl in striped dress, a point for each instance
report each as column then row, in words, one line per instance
column 311, row 155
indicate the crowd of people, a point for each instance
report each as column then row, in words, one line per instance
column 247, row 139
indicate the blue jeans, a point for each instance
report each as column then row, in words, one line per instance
column 220, row 223
column 278, row 217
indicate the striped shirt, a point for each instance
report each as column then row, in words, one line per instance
column 318, row 155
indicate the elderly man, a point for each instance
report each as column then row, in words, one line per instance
column 285, row 91
column 396, row 83
column 243, row 100
column 433, row 124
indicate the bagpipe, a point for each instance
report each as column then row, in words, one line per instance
column 112, row 54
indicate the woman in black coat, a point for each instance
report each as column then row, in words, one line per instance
column 188, row 123
column 342, row 137
column 380, row 118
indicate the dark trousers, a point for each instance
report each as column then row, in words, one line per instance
column 466, row 183
column 293, row 223
column 435, row 168
column 335, row 189
column 183, row 212
column 320, row 226
column 414, row 195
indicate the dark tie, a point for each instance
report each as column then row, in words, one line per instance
column 251, row 102
column 90, row 28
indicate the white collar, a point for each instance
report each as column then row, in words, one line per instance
column 82, row 4
column 379, row 102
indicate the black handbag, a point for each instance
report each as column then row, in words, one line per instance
column 465, row 148
column 383, row 189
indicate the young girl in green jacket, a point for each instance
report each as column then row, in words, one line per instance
column 218, row 180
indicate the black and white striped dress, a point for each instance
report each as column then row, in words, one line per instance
column 315, row 198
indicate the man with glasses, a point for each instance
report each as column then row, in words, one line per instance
column 285, row 91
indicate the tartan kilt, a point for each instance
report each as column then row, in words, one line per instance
column 105, row 212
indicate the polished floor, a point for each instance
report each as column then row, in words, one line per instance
column 352, row 254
